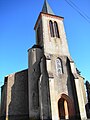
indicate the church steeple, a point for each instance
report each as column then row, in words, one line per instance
column 50, row 30
column 46, row 8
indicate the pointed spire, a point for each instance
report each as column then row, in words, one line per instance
column 46, row 8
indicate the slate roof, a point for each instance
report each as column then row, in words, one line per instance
column 46, row 8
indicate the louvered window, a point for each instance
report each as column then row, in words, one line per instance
column 56, row 30
column 51, row 28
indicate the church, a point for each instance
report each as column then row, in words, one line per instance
column 51, row 88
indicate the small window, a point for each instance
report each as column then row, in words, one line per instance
column 39, row 34
column 59, row 68
column 56, row 29
column 51, row 28
column 5, row 80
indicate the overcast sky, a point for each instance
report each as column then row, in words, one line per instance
column 17, row 20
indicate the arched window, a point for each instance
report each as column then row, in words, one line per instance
column 56, row 29
column 39, row 33
column 51, row 28
column 59, row 68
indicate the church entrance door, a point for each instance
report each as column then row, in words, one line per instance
column 63, row 109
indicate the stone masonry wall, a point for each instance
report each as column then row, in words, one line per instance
column 17, row 95
column 3, row 100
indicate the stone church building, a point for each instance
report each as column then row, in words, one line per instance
column 51, row 88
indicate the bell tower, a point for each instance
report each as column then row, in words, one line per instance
column 50, row 33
